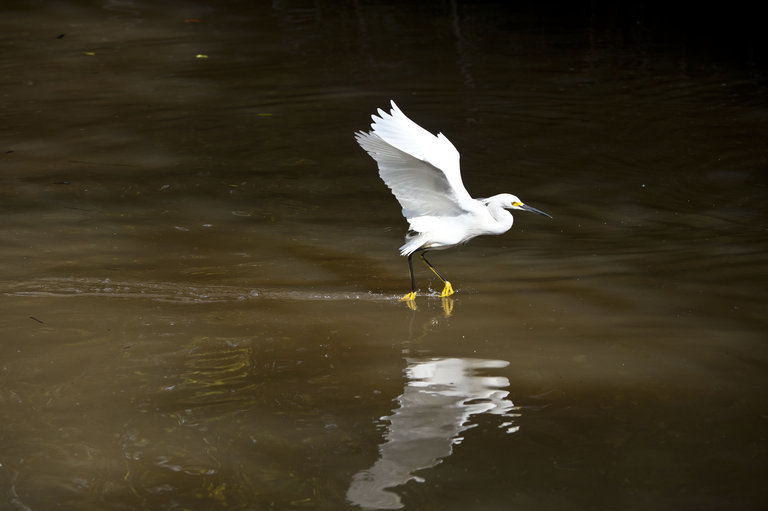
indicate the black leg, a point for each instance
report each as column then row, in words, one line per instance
column 410, row 297
column 429, row 265
column 448, row 289
column 410, row 270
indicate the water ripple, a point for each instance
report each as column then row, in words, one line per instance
column 173, row 292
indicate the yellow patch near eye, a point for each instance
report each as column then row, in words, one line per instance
column 517, row 204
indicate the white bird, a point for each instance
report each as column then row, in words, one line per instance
column 422, row 170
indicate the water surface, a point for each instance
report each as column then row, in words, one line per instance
column 200, row 269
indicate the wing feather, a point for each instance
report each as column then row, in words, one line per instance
column 421, row 169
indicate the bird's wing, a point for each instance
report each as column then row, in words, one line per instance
column 421, row 169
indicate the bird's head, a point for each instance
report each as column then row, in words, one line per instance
column 509, row 201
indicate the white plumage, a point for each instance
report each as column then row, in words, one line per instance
column 423, row 172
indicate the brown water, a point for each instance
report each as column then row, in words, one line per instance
column 200, row 272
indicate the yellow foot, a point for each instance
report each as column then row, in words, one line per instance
column 410, row 300
column 447, row 290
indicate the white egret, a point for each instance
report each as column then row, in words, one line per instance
column 422, row 170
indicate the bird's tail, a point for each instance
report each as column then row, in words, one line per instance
column 413, row 242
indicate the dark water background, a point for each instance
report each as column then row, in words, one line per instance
column 199, row 270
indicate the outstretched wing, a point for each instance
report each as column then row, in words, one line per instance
column 421, row 169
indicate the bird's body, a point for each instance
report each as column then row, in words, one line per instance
column 423, row 172
column 485, row 216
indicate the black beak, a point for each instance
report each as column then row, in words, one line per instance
column 534, row 210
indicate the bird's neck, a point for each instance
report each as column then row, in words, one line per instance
column 502, row 217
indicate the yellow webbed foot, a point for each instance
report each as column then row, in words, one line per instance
column 410, row 300
column 447, row 290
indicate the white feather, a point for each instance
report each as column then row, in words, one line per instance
column 421, row 169
column 423, row 172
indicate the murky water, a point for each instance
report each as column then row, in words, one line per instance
column 200, row 271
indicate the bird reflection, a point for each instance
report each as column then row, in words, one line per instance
column 445, row 301
column 440, row 397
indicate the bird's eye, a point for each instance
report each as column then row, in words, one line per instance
column 517, row 204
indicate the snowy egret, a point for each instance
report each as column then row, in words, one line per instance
column 422, row 170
